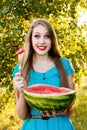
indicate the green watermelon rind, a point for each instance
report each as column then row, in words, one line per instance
column 46, row 102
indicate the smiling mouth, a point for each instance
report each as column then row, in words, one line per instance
column 42, row 47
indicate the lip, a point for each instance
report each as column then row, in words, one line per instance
column 42, row 48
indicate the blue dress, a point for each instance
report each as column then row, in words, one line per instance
column 51, row 77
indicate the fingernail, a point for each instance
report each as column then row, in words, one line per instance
column 19, row 74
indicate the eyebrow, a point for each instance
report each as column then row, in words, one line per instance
column 39, row 33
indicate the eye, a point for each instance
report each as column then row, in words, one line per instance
column 47, row 36
column 36, row 36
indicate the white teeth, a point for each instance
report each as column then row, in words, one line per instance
column 42, row 47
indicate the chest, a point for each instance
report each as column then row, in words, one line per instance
column 50, row 77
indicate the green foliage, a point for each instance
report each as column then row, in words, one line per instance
column 15, row 17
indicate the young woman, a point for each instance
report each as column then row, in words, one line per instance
column 42, row 64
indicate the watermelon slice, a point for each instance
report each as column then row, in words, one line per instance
column 20, row 53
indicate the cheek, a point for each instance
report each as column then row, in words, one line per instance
column 33, row 42
column 49, row 44
column 49, row 47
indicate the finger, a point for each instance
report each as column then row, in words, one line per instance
column 65, row 111
column 43, row 113
column 18, row 78
column 18, row 83
column 54, row 113
column 18, row 74
column 47, row 113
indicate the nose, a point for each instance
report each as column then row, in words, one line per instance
column 42, row 40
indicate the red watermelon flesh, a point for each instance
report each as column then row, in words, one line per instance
column 20, row 51
column 46, row 89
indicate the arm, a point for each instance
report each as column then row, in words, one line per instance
column 21, row 105
column 71, row 85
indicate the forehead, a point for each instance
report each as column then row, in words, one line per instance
column 40, row 29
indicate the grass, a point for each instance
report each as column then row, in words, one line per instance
column 79, row 116
column 10, row 121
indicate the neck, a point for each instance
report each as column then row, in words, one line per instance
column 41, row 59
column 42, row 63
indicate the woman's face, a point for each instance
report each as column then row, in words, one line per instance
column 41, row 41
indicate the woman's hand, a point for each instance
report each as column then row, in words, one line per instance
column 19, row 82
column 53, row 113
